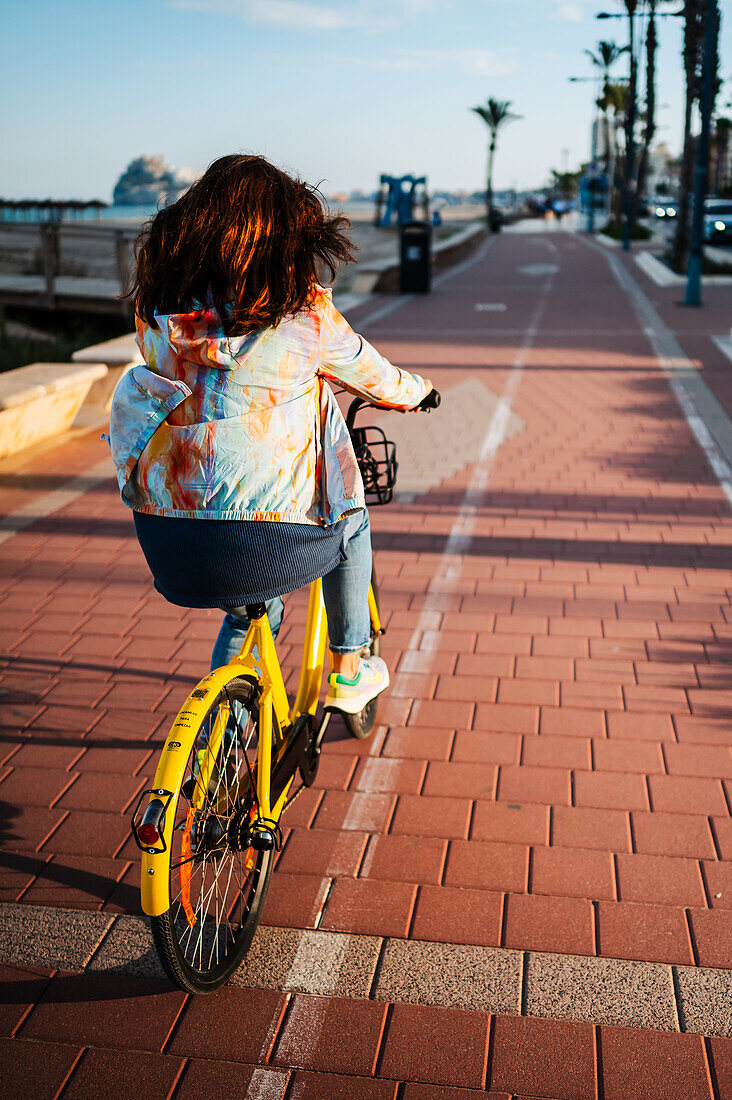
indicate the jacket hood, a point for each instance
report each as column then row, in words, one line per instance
column 197, row 337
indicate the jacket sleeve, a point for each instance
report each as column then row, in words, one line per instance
column 349, row 360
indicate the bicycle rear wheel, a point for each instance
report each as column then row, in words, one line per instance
column 361, row 725
column 217, row 883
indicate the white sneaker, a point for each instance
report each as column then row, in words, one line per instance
column 352, row 696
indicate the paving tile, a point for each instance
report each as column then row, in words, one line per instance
column 323, row 852
column 25, row 828
column 700, row 760
column 415, row 1091
column 205, row 1077
column 17, row 872
column 712, row 931
column 42, row 755
column 572, row 722
column 295, row 901
column 695, row 730
column 572, row 872
column 635, row 930
column 36, row 1069
column 420, row 815
column 127, row 761
column 506, row 718
column 684, row 794
column 359, row 810
column 331, row 1035
column 36, row 786
column 327, row 1086
column 421, row 1042
column 610, row 790
column 486, row 747
column 302, row 811
column 533, row 1056
column 119, row 1074
column 89, row 834
column 486, row 865
column 404, row 859
column 588, row 827
column 473, row 689
column 653, row 1064
column 542, row 923
column 484, row 979
column 236, row 1025
column 673, row 835
column 538, row 692
column 718, row 877
column 665, row 880
column 76, row 882
column 22, row 986
column 705, row 1000
column 522, row 783
column 389, row 776
column 520, row 823
column 107, row 1010
column 458, row 915
column 599, row 990
column 640, row 727
column 93, row 791
column 721, row 1051
column 643, row 757
column 559, row 752
column 419, row 744
column 370, row 907
column 461, row 780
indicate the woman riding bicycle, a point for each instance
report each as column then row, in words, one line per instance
column 229, row 445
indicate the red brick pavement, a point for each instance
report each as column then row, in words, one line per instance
column 553, row 770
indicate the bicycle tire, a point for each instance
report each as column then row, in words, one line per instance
column 204, row 843
column 361, row 725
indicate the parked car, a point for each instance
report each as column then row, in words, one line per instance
column 663, row 207
column 717, row 221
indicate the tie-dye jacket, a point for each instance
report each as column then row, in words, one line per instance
column 247, row 427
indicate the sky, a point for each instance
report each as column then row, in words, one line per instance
column 336, row 91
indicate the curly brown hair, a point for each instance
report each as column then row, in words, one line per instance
column 247, row 239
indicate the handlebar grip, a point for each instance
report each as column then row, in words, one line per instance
column 430, row 401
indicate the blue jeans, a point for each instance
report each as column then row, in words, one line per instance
column 345, row 594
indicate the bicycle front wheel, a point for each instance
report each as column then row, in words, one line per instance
column 361, row 725
column 217, row 882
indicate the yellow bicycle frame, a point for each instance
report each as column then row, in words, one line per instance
column 257, row 661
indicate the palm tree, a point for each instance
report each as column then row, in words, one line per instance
column 649, row 126
column 722, row 129
column 496, row 114
column 695, row 14
column 606, row 56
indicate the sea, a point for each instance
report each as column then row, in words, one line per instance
column 136, row 215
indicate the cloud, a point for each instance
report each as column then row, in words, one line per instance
column 570, row 13
column 473, row 60
column 315, row 15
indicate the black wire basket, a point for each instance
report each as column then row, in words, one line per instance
column 376, row 456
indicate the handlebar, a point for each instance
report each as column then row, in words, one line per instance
column 430, row 401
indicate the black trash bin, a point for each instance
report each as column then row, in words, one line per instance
column 415, row 258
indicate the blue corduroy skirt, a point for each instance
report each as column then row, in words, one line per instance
column 227, row 562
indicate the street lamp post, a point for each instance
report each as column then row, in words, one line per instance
column 696, row 246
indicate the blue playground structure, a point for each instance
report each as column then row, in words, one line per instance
column 400, row 195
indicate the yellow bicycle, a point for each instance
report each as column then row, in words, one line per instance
column 210, row 825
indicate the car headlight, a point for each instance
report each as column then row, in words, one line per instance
column 660, row 212
column 720, row 226
column 671, row 211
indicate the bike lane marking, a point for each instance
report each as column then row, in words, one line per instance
column 707, row 419
column 308, row 967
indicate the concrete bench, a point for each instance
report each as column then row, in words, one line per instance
column 42, row 400
column 118, row 355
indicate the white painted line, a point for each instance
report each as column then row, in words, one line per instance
column 490, row 307
column 680, row 371
column 317, row 963
column 724, row 343
column 46, row 505
column 267, row 1084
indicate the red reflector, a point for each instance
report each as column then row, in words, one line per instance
column 148, row 835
